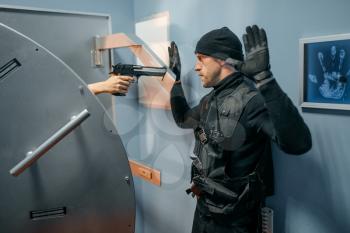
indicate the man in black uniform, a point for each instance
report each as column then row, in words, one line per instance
column 233, row 126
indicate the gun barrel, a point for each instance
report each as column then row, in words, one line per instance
column 138, row 70
column 150, row 71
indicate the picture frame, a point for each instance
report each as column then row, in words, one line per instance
column 325, row 72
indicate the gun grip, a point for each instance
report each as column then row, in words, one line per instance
column 119, row 94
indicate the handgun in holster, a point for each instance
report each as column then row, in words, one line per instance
column 214, row 190
column 137, row 71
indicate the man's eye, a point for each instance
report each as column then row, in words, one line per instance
column 200, row 58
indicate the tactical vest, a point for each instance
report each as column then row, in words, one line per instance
column 215, row 135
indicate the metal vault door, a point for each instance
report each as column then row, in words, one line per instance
column 69, row 170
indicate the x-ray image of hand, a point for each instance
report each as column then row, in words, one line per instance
column 334, row 81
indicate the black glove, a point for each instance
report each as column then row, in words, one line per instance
column 257, row 62
column 174, row 60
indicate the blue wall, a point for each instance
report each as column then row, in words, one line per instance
column 312, row 191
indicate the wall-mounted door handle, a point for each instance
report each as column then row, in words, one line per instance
column 49, row 143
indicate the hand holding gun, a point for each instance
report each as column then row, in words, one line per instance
column 137, row 71
column 114, row 84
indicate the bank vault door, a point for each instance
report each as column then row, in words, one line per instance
column 63, row 166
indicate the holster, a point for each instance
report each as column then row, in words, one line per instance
column 220, row 200
column 214, row 190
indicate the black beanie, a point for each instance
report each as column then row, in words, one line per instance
column 220, row 43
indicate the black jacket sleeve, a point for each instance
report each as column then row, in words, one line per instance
column 184, row 116
column 275, row 114
column 290, row 131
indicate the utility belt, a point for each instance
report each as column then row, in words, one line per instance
column 219, row 199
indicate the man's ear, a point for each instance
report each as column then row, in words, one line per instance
column 222, row 63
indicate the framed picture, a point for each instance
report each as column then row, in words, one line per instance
column 325, row 72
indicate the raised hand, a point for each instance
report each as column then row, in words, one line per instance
column 174, row 60
column 257, row 62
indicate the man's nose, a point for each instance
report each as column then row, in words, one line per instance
column 198, row 66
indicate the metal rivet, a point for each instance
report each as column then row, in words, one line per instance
column 29, row 153
column 81, row 90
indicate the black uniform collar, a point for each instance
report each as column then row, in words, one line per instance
column 228, row 82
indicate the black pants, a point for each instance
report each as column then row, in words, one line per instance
column 207, row 224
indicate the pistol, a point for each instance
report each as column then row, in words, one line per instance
column 137, row 71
